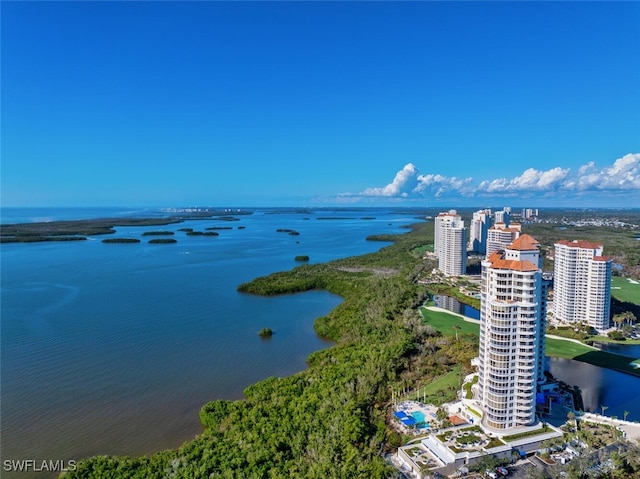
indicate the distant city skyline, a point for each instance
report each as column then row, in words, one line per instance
column 431, row 104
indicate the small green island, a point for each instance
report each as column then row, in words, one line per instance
column 158, row 233
column 265, row 333
column 302, row 258
column 163, row 241
column 288, row 231
column 121, row 240
column 203, row 233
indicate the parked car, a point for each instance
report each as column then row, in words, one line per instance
column 503, row 471
column 490, row 474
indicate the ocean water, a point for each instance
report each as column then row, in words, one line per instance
column 113, row 348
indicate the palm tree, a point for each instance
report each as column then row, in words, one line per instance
column 456, row 327
column 604, row 408
column 571, row 417
column 625, row 414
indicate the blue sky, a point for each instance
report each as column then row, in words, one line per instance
column 320, row 103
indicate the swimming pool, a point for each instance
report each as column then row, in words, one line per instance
column 419, row 417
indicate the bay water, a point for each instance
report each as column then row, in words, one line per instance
column 114, row 348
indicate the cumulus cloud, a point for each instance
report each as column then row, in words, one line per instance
column 410, row 183
column 402, row 185
column 530, row 180
column 622, row 175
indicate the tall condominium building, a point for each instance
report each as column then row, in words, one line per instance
column 529, row 213
column 512, row 327
column 582, row 284
column 478, row 231
column 503, row 216
column 499, row 236
column 450, row 243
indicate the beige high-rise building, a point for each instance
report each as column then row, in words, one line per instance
column 582, row 284
column 499, row 236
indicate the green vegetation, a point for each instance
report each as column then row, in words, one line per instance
column 48, row 231
column 625, row 290
column 302, row 258
column 121, row 240
column 447, row 323
column 163, row 241
column 36, row 239
column 441, row 390
column 158, row 233
column 453, row 291
column 219, row 228
column 544, row 429
column 265, row 332
column 201, row 233
column 467, row 387
column 329, row 420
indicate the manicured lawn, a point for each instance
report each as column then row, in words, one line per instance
column 445, row 322
column 565, row 349
column 628, row 291
column 452, row 378
column 440, row 388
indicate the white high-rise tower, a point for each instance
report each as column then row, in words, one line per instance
column 450, row 243
column 582, row 284
column 512, row 328
column 478, row 231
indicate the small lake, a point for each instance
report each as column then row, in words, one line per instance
column 617, row 391
column 455, row 306
column 630, row 350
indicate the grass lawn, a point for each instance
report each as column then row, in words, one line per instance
column 445, row 322
column 628, row 291
column 565, row 349
column 440, row 388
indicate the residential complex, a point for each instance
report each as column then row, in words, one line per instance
column 582, row 284
column 512, row 328
column 499, row 236
column 450, row 244
column 478, row 231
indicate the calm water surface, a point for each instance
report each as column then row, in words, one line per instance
column 113, row 348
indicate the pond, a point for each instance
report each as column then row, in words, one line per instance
column 618, row 392
column 452, row 304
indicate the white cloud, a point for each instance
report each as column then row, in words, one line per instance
column 530, row 180
column 622, row 175
column 402, row 185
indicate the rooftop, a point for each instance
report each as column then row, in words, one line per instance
column 525, row 243
column 580, row 244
